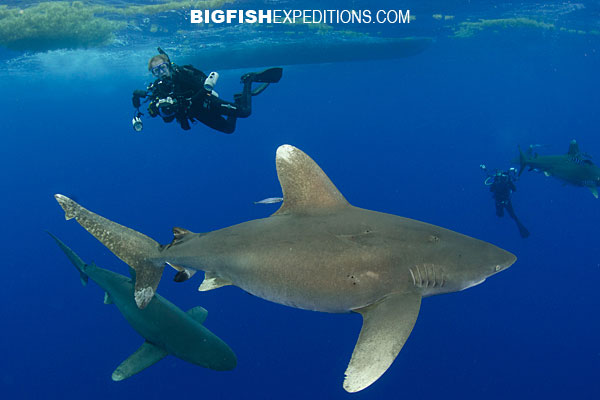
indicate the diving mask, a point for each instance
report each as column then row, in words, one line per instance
column 161, row 70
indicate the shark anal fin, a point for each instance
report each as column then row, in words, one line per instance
column 107, row 298
column 198, row 314
column 386, row 327
column 147, row 355
column 212, row 281
column 594, row 190
column 305, row 186
column 183, row 274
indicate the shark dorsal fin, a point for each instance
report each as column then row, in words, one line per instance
column 304, row 185
column 198, row 314
column 573, row 148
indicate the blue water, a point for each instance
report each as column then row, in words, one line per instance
column 408, row 143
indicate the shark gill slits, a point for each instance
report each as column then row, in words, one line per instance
column 427, row 276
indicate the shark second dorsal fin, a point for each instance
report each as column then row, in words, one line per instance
column 179, row 233
column 179, row 236
column 304, row 184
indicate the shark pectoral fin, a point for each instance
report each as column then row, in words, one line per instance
column 198, row 314
column 594, row 190
column 386, row 327
column 211, row 282
column 147, row 355
column 546, row 173
column 107, row 298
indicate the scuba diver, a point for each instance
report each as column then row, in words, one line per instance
column 184, row 93
column 502, row 185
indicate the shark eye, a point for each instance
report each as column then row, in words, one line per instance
column 498, row 268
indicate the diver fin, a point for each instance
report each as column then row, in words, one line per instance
column 107, row 298
column 134, row 248
column 212, row 282
column 198, row 314
column 260, row 89
column 305, row 186
column 386, row 327
column 147, row 355
column 594, row 190
column 73, row 257
column 271, row 75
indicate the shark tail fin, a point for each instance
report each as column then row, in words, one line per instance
column 136, row 249
column 522, row 161
column 74, row 258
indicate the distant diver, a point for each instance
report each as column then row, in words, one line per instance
column 184, row 93
column 502, row 185
column 575, row 168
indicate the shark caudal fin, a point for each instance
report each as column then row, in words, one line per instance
column 74, row 258
column 136, row 249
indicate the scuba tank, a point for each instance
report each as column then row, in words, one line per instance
column 210, row 82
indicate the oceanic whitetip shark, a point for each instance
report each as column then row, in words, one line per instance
column 165, row 327
column 317, row 252
column 574, row 168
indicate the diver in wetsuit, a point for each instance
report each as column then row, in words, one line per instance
column 184, row 93
column 502, row 185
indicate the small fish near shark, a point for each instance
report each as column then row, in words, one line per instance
column 317, row 252
column 165, row 328
column 574, row 168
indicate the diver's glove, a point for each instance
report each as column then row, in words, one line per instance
column 136, row 97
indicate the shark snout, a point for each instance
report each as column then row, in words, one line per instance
column 505, row 260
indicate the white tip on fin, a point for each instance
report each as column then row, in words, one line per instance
column 305, row 186
column 386, row 327
column 212, row 282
